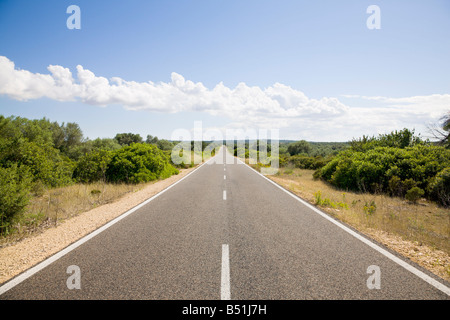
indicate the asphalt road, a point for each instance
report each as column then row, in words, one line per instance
column 226, row 232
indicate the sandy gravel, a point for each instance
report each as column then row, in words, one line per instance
column 28, row 252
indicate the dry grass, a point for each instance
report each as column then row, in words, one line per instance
column 53, row 206
column 19, row 256
column 419, row 231
column 56, row 205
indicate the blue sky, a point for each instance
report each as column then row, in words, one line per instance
column 336, row 78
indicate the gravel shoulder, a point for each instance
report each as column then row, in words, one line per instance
column 21, row 256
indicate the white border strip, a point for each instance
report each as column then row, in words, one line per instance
column 384, row 252
column 26, row 274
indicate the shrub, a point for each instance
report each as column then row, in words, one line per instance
column 46, row 163
column 414, row 194
column 391, row 170
column 327, row 202
column 95, row 192
column 139, row 163
column 439, row 187
column 370, row 208
column 15, row 185
column 395, row 186
column 92, row 166
column 318, row 197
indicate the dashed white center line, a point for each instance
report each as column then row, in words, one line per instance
column 225, row 293
column 224, row 177
column 224, row 194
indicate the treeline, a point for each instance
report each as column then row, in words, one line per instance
column 298, row 154
column 39, row 154
column 309, row 155
column 399, row 164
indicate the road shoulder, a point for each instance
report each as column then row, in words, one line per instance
column 21, row 256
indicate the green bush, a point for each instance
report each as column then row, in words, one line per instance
column 139, row 163
column 30, row 143
column 46, row 164
column 92, row 166
column 15, row 185
column 388, row 169
column 414, row 194
column 439, row 187
column 306, row 162
column 395, row 186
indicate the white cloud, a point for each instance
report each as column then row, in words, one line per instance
column 434, row 105
column 278, row 106
column 386, row 114
column 242, row 103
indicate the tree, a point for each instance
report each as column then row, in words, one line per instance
column 165, row 144
column 92, row 146
column 28, row 143
column 441, row 132
column 396, row 139
column 126, row 139
column 66, row 136
column 72, row 135
column 298, row 147
column 151, row 139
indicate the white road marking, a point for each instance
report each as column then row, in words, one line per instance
column 225, row 293
column 384, row 252
column 224, row 177
column 224, row 194
column 25, row 275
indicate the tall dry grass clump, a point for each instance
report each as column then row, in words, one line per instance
column 52, row 206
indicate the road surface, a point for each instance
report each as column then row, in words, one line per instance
column 225, row 232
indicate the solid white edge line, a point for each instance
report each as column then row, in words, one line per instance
column 384, row 252
column 28, row 273
column 225, row 292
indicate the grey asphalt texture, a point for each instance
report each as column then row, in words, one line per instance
column 170, row 249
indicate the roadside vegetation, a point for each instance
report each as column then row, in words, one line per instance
column 50, row 171
column 393, row 186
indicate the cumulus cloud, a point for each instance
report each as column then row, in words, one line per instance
column 387, row 113
column 240, row 103
column 278, row 106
